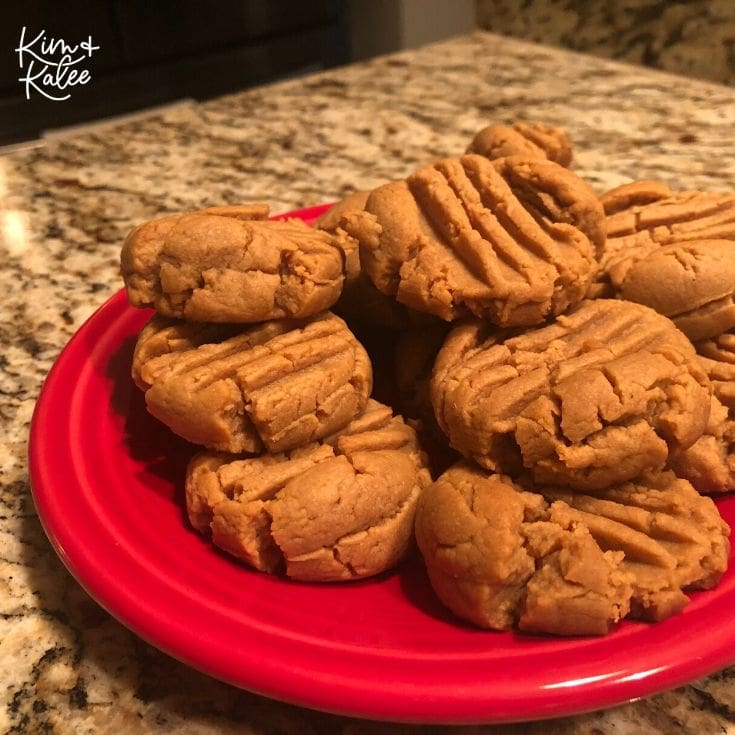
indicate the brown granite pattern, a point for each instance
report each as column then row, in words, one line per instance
column 693, row 38
column 65, row 665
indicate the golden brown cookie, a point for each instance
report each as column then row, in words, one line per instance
column 693, row 283
column 230, row 264
column 532, row 141
column 494, row 558
column 643, row 216
column 594, row 399
column 507, row 240
column 275, row 385
column 339, row 509
column 499, row 556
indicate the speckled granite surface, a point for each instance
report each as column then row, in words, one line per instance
column 66, row 666
column 692, row 37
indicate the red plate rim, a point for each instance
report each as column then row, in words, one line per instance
column 525, row 678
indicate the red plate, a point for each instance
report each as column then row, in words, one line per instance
column 107, row 482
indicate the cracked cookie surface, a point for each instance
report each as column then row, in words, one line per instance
column 673, row 539
column 510, row 240
column 276, row 385
column 692, row 283
column 334, row 510
column 495, row 559
column 231, row 264
column 650, row 228
column 596, row 398
column 499, row 555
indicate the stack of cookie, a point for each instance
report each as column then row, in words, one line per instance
column 580, row 416
column 302, row 473
column 673, row 251
column 571, row 431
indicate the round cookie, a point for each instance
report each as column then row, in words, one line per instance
column 531, row 141
column 275, row 385
column 339, row 509
column 643, row 216
column 596, row 398
column 499, row 556
column 231, row 264
column 511, row 240
column 494, row 559
column 692, row 283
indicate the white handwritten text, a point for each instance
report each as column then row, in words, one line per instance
column 52, row 66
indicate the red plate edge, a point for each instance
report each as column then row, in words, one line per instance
column 366, row 682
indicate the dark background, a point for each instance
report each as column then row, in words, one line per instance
column 153, row 52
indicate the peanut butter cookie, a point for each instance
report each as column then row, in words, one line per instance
column 276, row 385
column 230, row 264
column 511, row 240
column 339, row 509
column 494, row 558
column 530, row 141
column 500, row 556
column 643, row 217
column 681, row 216
column 693, row 283
column 594, row 399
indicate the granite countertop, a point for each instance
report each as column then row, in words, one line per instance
column 66, row 666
